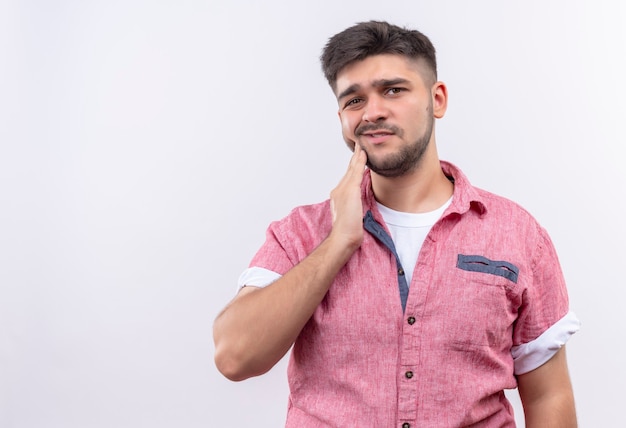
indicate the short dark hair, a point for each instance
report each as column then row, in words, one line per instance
column 374, row 38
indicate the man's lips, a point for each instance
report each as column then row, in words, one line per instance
column 377, row 130
column 376, row 135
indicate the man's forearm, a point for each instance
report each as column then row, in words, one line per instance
column 557, row 411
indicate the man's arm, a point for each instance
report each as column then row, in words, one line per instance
column 259, row 326
column 547, row 395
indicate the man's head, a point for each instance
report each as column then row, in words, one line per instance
column 385, row 81
column 375, row 38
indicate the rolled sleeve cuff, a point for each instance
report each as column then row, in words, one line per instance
column 257, row 277
column 531, row 355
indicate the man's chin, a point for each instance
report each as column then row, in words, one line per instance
column 389, row 169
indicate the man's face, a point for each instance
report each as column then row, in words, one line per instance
column 386, row 106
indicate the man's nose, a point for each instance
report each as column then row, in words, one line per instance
column 375, row 110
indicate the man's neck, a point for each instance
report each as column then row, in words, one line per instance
column 424, row 189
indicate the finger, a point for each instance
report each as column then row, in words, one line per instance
column 361, row 155
column 357, row 162
column 354, row 173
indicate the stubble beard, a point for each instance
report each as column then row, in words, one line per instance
column 407, row 159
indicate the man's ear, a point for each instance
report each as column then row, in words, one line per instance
column 440, row 99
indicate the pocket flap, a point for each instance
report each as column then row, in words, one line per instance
column 477, row 263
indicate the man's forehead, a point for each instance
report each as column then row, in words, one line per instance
column 376, row 71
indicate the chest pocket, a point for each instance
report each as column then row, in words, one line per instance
column 488, row 290
column 474, row 263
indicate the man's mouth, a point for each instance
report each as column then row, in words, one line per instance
column 377, row 137
column 377, row 134
column 376, row 130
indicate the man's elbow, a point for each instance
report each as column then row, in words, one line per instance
column 234, row 367
column 229, row 365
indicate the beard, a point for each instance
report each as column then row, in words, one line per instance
column 407, row 158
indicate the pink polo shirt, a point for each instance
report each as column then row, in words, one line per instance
column 438, row 352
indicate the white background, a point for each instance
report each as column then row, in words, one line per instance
column 146, row 145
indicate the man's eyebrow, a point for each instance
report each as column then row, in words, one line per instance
column 384, row 83
column 348, row 91
column 381, row 83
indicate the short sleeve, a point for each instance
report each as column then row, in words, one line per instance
column 273, row 254
column 289, row 240
column 545, row 300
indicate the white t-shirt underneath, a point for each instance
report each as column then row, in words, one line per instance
column 408, row 231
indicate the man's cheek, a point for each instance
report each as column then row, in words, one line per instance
column 347, row 133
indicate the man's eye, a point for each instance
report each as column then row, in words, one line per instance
column 353, row 101
column 393, row 91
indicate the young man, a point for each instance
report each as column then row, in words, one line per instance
column 411, row 298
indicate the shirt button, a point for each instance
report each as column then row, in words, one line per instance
column 406, row 425
column 411, row 320
column 409, row 374
column 400, row 271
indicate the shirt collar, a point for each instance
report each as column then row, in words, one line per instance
column 464, row 198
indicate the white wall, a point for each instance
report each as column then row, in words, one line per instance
column 140, row 143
